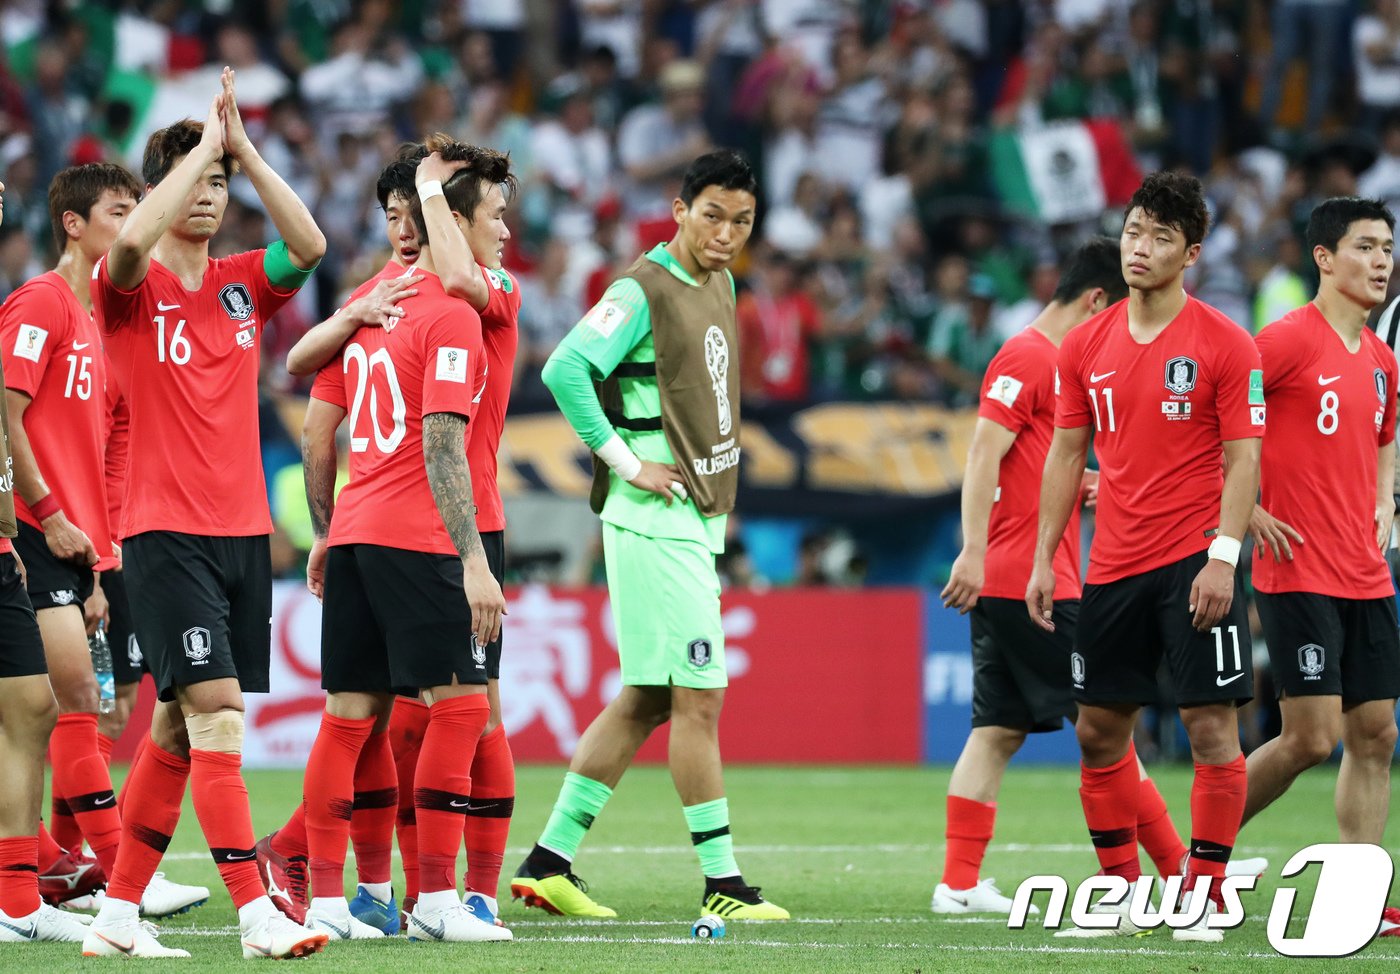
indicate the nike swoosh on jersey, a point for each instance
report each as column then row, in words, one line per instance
column 1221, row 681
column 1327, row 382
column 162, row 306
column 79, row 348
column 1099, row 378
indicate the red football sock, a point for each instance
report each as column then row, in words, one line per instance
column 62, row 825
column 1156, row 831
column 968, row 831
column 442, row 785
column 81, row 776
column 1110, row 799
column 488, row 818
column 290, row 840
column 374, row 811
column 221, row 803
column 104, row 748
column 141, row 747
column 49, row 850
column 1217, row 805
column 19, row 876
column 157, row 788
column 330, row 789
column 406, row 729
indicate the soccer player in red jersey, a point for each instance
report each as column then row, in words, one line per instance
column 1165, row 385
column 183, row 332
column 28, row 714
column 1324, row 591
column 57, row 403
column 403, row 548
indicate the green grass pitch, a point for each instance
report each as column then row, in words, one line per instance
column 852, row 852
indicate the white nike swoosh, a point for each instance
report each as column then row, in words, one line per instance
column 79, row 348
column 1327, row 382
column 465, row 804
column 1221, row 681
column 103, row 801
column 162, row 306
column 29, row 933
column 232, row 858
column 1099, row 378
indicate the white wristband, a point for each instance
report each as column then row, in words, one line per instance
column 428, row 190
column 617, row 455
column 1225, row 549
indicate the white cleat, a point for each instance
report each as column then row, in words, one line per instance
column 85, row 907
column 125, row 938
column 340, row 925
column 454, row 924
column 164, row 898
column 276, row 937
column 1125, row 927
column 1198, row 932
column 45, row 923
column 982, row 898
column 1247, row 867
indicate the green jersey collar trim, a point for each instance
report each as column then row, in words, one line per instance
column 660, row 255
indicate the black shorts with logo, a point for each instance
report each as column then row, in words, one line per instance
column 396, row 621
column 52, row 583
column 127, row 661
column 202, row 607
column 21, row 647
column 495, row 544
column 1020, row 672
column 1127, row 626
column 1321, row 645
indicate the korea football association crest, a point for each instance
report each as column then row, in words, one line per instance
column 700, row 652
column 1180, row 375
column 478, row 652
column 236, row 301
column 1076, row 669
column 1379, row 377
column 1312, row 659
column 197, row 644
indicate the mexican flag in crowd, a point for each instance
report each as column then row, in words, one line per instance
column 1064, row 171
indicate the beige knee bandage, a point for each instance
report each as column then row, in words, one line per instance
column 222, row 731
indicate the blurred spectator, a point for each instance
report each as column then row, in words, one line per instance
column 964, row 341
column 18, row 262
column 852, row 117
column 552, row 309
column 574, row 160
column 1314, row 27
column 613, row 95
column 656, row 143
column 778, row 322
column 1382, row 180
column 58, row 112
column 368, row 74
column 1279, row 288
column 489, row 121
column 616, row 24
column 1045, row 276
column 796, row 227
column 1376, row 53
column 475, row 65
column 502, row 24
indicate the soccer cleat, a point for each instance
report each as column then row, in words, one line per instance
column 453, row 925
column 1255, row 867
column 45, row 923
column 741, row 903
column 164, row 898
column 1125, row 928
column 125, row 938
column 84, row 906
column 284, row 878
column 982, row 898
column 562, row 894
column 378, row 914
column 483, row 907
column 1199, row 932
column 68, row 877
column 278, row 938
column 1390, row 922
column 340, row 924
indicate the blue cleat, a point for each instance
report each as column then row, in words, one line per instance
column 376, row 913
column 483, row 907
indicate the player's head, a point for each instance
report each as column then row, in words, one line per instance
column 1093, row 278
column 397, row 194
column 204, row 206
column 477, row 194
column 1352, row 241
column 1163, row 227
column 716, row 209
column 88, row 205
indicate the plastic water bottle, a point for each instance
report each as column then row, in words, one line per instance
column 102, row 665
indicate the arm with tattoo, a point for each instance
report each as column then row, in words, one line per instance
column 319, row 462
column 444, row 452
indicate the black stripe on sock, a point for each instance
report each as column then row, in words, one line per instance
column 233, row 855
column 406, row 816
column 96, row 801
column 19, row 867
column 697, row 838
column 492, row 807
column 1112, row 838
column 339, row 808
column 440, row 801
column 1210, row 851
column 60, row 807
column 146, row 835
column 380, row 798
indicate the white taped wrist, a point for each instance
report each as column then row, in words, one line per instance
column 1225, row 549
column 428, row 190
column 618, row 456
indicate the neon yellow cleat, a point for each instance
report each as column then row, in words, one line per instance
column 562, row 894
column 742, row 903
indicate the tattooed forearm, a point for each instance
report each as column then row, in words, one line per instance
column 445, row 453
column 318, row 463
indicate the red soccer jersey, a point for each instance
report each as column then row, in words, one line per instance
column 1018, row 392
column 187, row 363
column 53, row 354
column 431, row 362
column 1159, row 413
column 501, row 334
column 1330, row 411
column 118, row 452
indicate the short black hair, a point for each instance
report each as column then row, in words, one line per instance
column 78, row 188
column 1096, row 263
column 166, row 146
column 397, row 178
column 1176, row 199
column 1331, row 219
column 724, row 168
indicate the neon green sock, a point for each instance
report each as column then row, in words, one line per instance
column 709, row 831
column 579, row 802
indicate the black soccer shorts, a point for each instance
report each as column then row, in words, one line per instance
column 52, row 583
column 1020, row 672
column 1320, row 645
column 127, row 662
column 21, row 647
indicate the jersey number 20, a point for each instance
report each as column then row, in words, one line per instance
column 355, row 353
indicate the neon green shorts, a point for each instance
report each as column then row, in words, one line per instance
column 665, row 606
